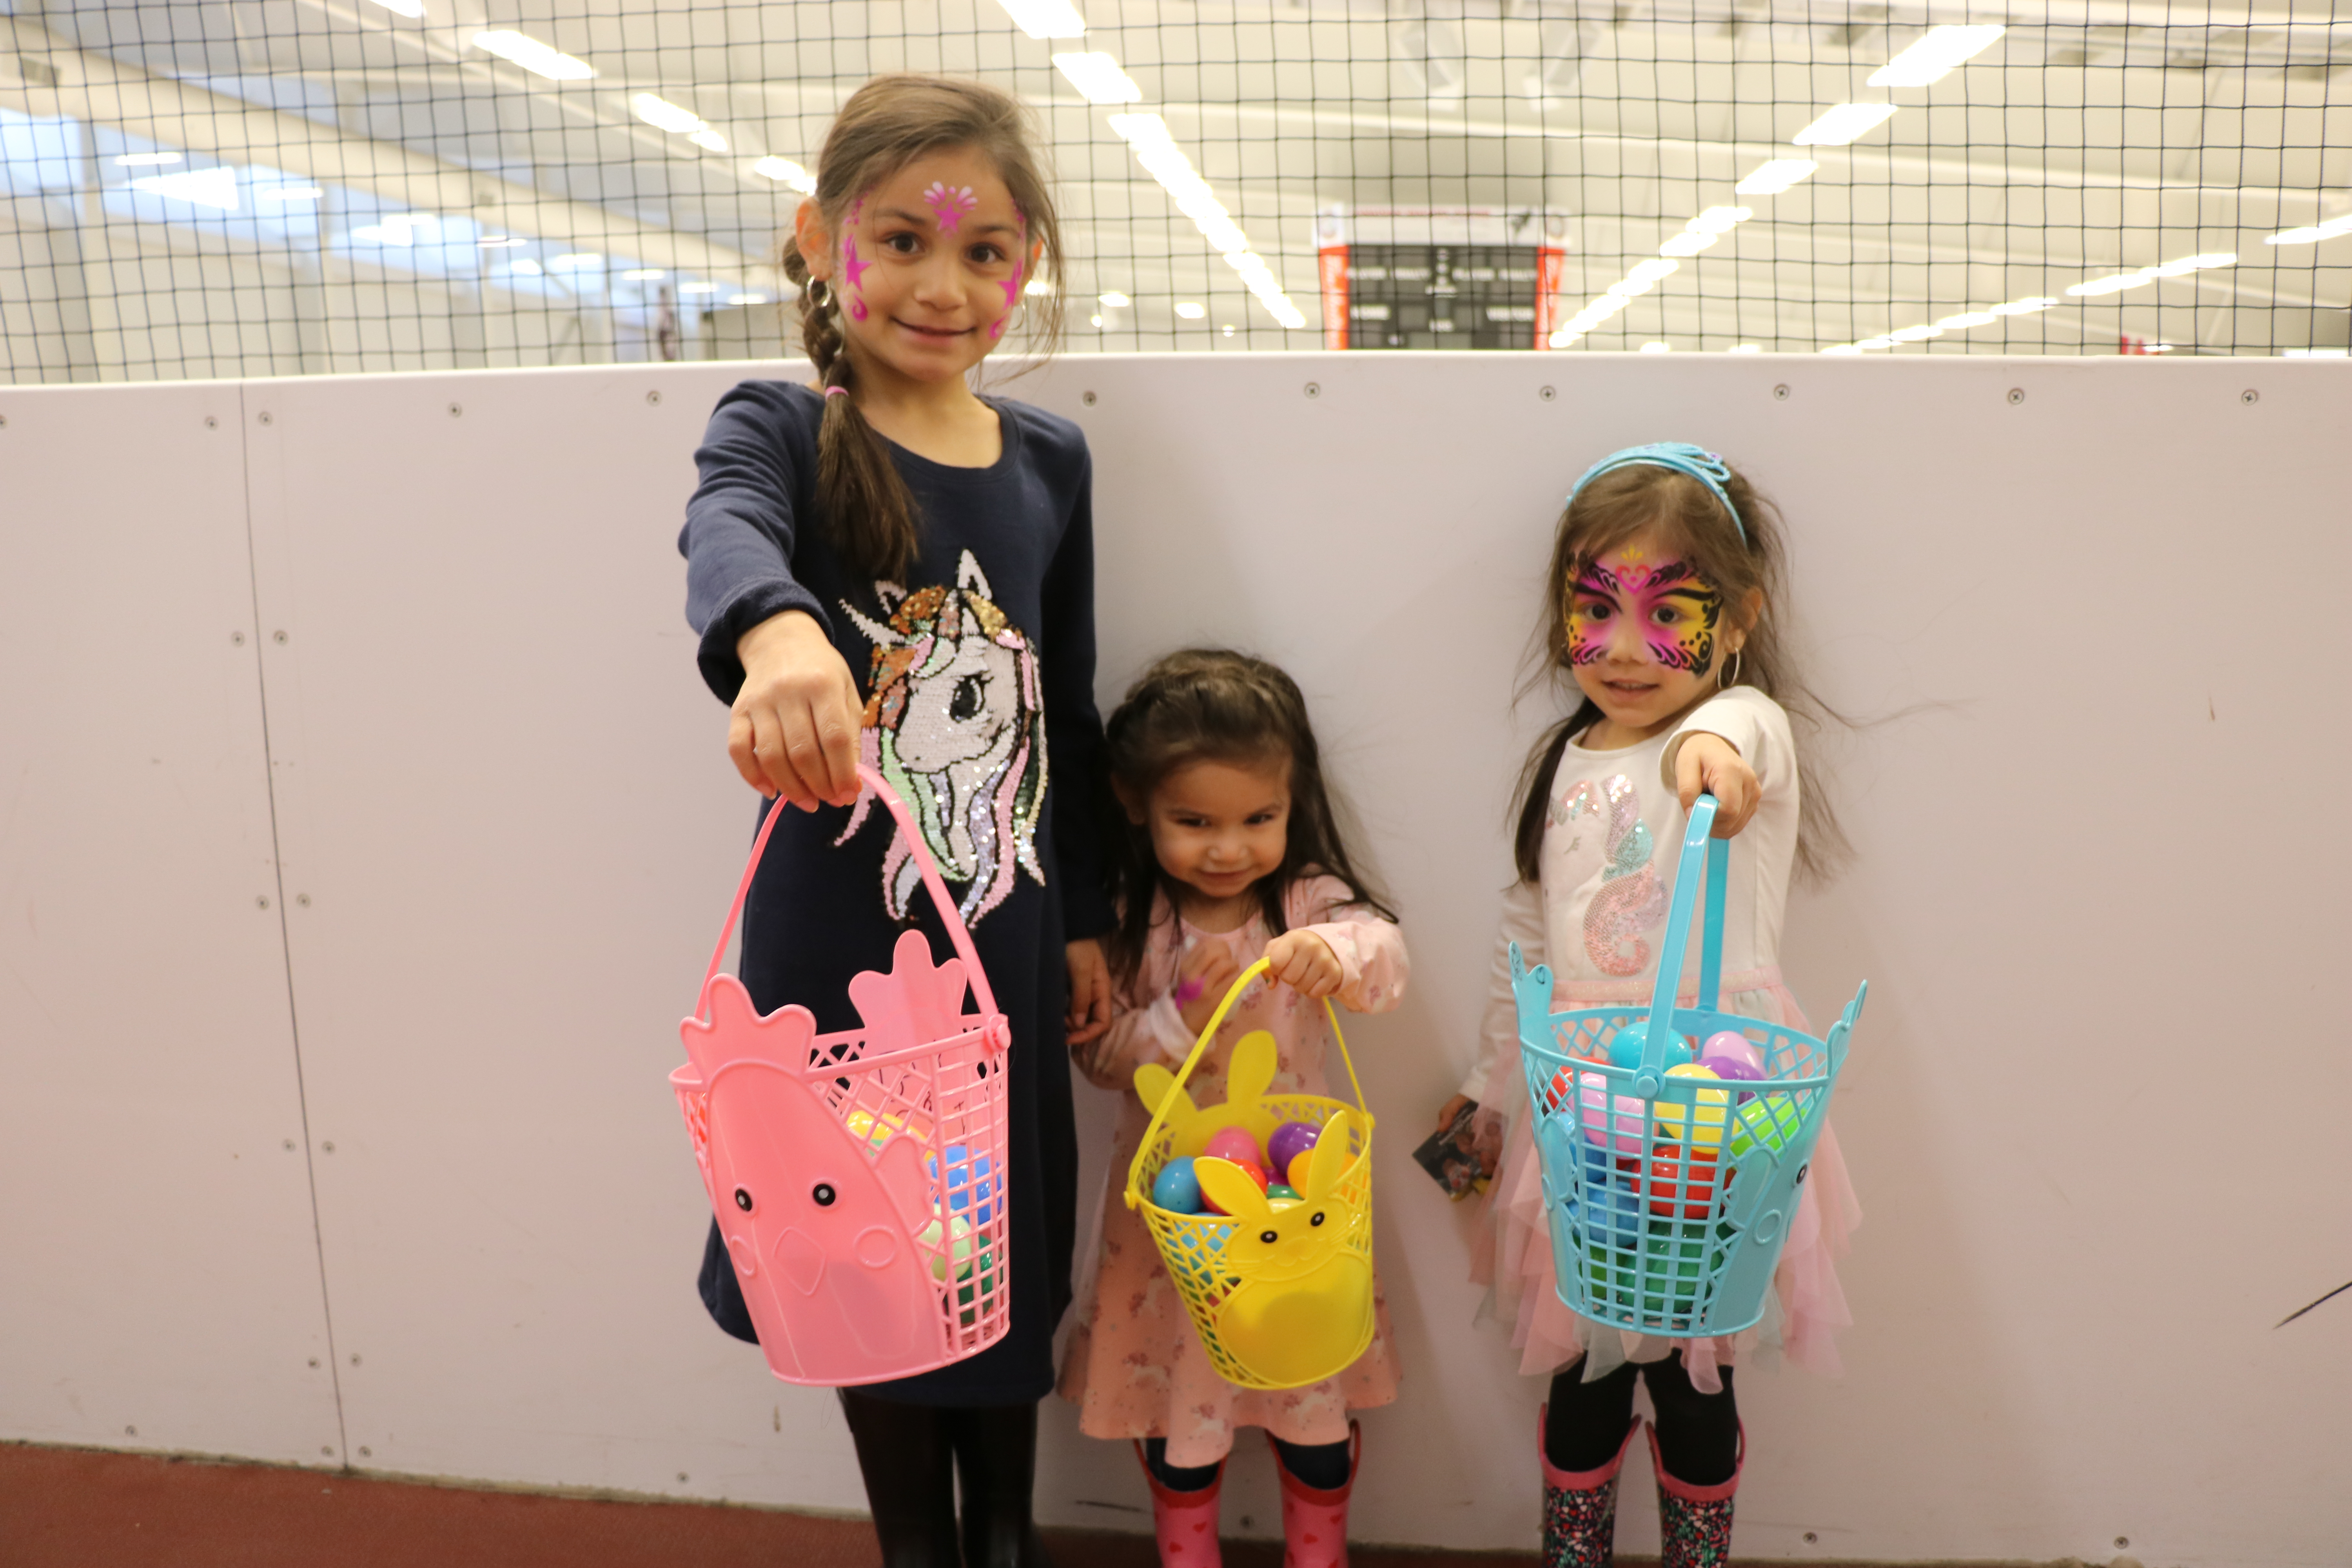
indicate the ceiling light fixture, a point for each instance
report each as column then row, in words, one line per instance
column 697, row 287
column 1836, row 127
column 644, row 274
column 1190, row 309
column 1156, row 149
column 2309, row 234
column 1968, row 319
column 709, row 140
column 1045, row 18
column 1114, row 299
column 2025, row 306
column 784, row 172
column 663, row 115
column 1936, row 56
column 403, row 7
column 1099, row 78
column 540, row 59
column 149, row 160
column 2114, row 283
column 289, row 194
column 1770, row 179
column 1918, row 335
column 199, row 187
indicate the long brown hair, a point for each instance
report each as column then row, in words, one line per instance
column 1738, row 561
column 1212, row 705
column 884, row 126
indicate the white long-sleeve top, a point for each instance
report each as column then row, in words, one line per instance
column 1612, row 836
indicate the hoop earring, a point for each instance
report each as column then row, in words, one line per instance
column 1726, row 682
column 819, row 293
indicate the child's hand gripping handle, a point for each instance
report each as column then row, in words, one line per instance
column 1136, row 1185
column 949, row 915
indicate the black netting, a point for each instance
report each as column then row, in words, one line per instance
column 250, row 187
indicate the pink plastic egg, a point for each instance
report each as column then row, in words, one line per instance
column 1730, row 1045
column 1233, row 1143
column 1622, row 1130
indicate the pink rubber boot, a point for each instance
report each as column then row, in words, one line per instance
column 1315, row 1522
column 1695, row 1523
column 1580, row 1506
column 1185, row 1523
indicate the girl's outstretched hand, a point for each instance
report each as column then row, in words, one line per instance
column 1089, row 992
column 1711, row 764
column 1305, row 962
column 793, row 730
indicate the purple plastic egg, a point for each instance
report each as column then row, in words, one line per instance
column 1730, row 1045
column 1289, row 1140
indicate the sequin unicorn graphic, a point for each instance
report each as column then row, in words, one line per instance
column 955, row 724
column 1631, row 899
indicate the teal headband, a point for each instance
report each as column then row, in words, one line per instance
column 1683, row 459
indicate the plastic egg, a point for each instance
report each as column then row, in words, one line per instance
column 1622, row 1126
column 1769, row 1121
column 968, row 1175
column 1176, row 1188
column 1706, row 1129
column 1289, row 1140
column 1296, row 1172
column 1625, row 1046
column 958, row 1245
column 868, row 1127
column 1672, row 1184
column 1281, row 1195
column 1730, row 1045
column 1232, row 1144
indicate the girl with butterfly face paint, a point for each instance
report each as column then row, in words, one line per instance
column 1659, row 615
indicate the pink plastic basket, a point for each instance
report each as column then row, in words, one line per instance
column 858, row 1178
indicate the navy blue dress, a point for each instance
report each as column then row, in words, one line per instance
column 979, row 671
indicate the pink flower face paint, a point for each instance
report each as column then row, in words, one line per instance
column 949, row 205
column 1674, row 608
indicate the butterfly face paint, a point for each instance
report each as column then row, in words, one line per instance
column 949, row 204
column 1672, row 609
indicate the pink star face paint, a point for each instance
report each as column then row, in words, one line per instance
column 1673, row 609
column 949, row 204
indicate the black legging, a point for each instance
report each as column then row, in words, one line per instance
column 1699, row 1434
column 1323, row 1466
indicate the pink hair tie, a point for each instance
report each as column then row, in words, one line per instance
column 1185, row 995
column 837, row 392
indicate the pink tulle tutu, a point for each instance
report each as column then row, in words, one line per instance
column 1512, row 1256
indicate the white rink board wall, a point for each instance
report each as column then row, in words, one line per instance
column 2098, row 920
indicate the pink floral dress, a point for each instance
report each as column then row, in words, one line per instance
column 1133, row 1365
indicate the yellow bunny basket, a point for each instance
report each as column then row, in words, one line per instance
column 1280, row 1299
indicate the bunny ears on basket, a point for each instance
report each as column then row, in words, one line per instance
column 1679, row 456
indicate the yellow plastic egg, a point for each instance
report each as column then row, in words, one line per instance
column 1705, row 1130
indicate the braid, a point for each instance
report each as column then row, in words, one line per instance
column 869, row 512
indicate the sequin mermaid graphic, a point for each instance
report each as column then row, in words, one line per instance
column 1631, row 897
column 956, row 724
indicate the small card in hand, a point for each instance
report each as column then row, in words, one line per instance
column 1447, row 1155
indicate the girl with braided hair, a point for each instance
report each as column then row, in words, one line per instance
column 886, row 566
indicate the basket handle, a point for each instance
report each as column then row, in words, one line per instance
column 957, row 931
column 1698, row 840
column 1160, row 1114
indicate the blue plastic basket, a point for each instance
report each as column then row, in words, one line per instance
column 1648, row 1231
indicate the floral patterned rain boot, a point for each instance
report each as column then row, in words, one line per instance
column 1579, row 1506
column 1695, row 1523
column 1185, row 1523
column 1315, row 1521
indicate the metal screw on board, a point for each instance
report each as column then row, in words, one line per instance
column 681, row 1475
column 2250, row 395
column 211, row 422
column 1087, row 398
column 1546, row 393
column 264, row 417
column 237, row 639
column 314, row 1361
column 1780, row 393
column 1810, row 1538
column 2123, row 1541
column 2016, row 395
column 355, row 1355
column 366, row 1452
column 289, row 1149
column 279, row 635
column 456, row 409
column 303, row 899
column 653, row 398
column 1314, row 389
column 262, row 901
column 328, row 1146
column 131, row 1431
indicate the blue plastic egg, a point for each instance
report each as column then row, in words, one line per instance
column 1626, row 1044
column 968, row 1175
column 1176, row 1188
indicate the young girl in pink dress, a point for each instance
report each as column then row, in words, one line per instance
column 1231, row 853
column 1662, row 608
